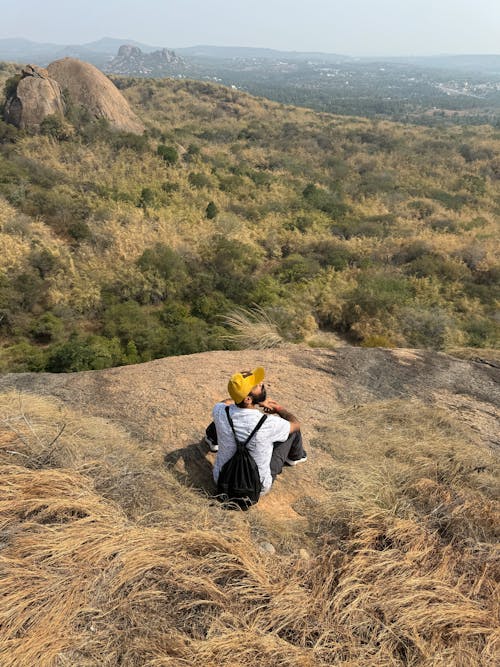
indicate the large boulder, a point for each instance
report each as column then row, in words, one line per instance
column 90, row 88
column 37, row 96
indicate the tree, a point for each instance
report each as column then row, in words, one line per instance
column 211, row 211
column 168, row 153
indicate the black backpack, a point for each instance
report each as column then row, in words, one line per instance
column 239, row 480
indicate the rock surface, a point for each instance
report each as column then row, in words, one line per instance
column 37, row 96
column 90, row 88
column 166, row 404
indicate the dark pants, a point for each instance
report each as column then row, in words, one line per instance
column 291, row 448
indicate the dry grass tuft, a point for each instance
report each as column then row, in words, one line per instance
column 403, row 569
column 252, row 328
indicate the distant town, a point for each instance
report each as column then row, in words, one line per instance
column 433, row 90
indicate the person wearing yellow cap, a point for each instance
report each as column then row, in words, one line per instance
column 278, row 442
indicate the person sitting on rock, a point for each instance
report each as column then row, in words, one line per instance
column 277, row 443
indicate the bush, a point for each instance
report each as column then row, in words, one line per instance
column 378, row 295
column 54, row 126
column 47, row 328
column 9, row 134
column 146, row 198
column 130, row 322
column 210, row 307
column 427, row 328
column 482, row 332
column 378, row 226
column 79, row 231
column 82, row 354
column 297, row 268
column 168, row 153
column 431, row 264
column 211, row 211
column 199, row 180
column 334, row 254
column 190, row 336
column 23, row 357
column 232, row 264
column 164, row 269
column 324, row 201
column 43, row 261
column 10, row 86
column 136, row 142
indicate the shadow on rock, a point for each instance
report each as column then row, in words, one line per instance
column 191, row 467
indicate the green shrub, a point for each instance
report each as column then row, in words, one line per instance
column 430, row 328
column 302, row 223
column 190, row 336
column 324, row 201
column 10, row 86
column 23, row 357
column 431, row 264
column 377, row 296
column 43, row 261
column 199, row 180
column 136, row 142
column 210, row 307
column 173, row 313
column 331, row 253
column 29, row 290
column 379, row 226
column 452, row 201
column 165, row 271
column 130, row 322
column 8, row 133
column 297, row 268
column 54, row 126
column 211, row 211
column 423, row 209
column 84, row 353
column 47, row 328
column 79, row 231
column 230, row 265
column 147, row 198
column 168, row 153
column 482, row 332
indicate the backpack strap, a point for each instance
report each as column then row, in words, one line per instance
column 238, row 443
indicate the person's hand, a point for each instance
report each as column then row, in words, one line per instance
column 270, row 406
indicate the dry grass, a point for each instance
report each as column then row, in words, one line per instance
column 252, row 329
column 403, row 565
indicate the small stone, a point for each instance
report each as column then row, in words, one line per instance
column 267, row 547
column 304, row 554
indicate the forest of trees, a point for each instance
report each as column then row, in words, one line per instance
column 118, row 248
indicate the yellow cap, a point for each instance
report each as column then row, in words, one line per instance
column 239, row 387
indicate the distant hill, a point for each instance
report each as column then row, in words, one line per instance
column 224, row 52
column 97, row 52
column 471, row 63
column 132, row 61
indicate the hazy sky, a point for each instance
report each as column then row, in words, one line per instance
column 352, row 27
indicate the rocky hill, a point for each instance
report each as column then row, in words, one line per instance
column 167, row 402
column 132, row 61
column 36, row 96
column 379, row 550
column 39, row 93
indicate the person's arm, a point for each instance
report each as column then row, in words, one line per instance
column 274, row 408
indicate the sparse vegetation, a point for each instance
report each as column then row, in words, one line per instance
column 378, row 232
column 122, row 564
